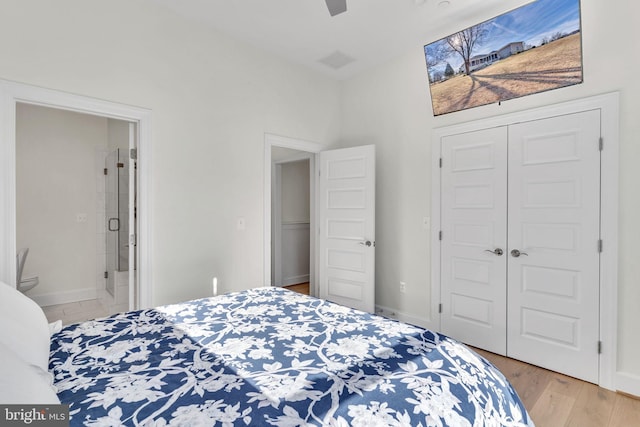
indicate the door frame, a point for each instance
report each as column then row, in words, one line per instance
column 12, row 93
column 133, row 190
column 313, row 148
column 608, row 104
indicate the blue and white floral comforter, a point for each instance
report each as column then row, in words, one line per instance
column 269, row 356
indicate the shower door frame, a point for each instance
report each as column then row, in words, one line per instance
column 12, row 93
column 112, row 237
column 118, row 242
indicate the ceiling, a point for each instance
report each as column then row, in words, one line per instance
column 369, row 33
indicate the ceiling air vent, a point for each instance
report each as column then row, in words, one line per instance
column 337, row 60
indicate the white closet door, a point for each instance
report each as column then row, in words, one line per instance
column 554, row 217
column 474, row 212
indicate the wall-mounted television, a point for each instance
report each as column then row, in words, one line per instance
column 531, row 49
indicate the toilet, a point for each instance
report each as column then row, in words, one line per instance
column 24, row 283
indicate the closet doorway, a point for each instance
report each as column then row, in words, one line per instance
column 342, row 220
column 525, row 206
column 291, row 216
column 521, row 215
column 280, row 150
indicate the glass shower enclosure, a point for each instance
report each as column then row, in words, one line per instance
column 117, row 216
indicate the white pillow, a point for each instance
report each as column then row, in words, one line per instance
column 55, row 327
column 21, row 383
column 23, row 327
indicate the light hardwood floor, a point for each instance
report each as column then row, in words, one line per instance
column 555, row 400
column 302, row 288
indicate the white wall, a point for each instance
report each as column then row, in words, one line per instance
column 295, row 192
column 117, row 134
column 212, row 99
column 390, row 107
column 55, row 168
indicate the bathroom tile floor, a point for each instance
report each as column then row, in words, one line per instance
column 75, row 311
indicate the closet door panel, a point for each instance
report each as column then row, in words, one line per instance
column 474, row 210
column 553, row 210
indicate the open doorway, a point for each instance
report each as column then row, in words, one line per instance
column 291, row 219
column 342, row 220
column 139, row 125
column 72, row 211
column 297, row 159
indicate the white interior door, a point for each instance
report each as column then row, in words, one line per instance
column 347, row 227
column 554, row 217
column 474, row 212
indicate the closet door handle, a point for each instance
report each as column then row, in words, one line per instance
column 496, row 251
column 516, row 253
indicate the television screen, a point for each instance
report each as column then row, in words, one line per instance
column 532, row 49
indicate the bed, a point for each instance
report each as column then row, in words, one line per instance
column 268, row 356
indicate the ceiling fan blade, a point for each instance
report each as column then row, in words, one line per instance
column 336, row 6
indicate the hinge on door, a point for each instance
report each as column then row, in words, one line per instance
column 106, row 171
column 120, row 165
column 440, row 308
column 441, row 162
column 601, row 144
column 440, row 235
column 133, row 154
column 106, row 274
column 600, row 245
column 132, row 239
column 599, row 347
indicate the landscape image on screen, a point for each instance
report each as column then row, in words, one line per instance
column 534, row 48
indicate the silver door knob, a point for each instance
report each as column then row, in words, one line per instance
column 516, row 253
column 366, row 243
column 496, row 251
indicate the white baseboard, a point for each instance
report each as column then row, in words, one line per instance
column 628, row 383
column 294, row 280
column 404, row 317
column 64, row 297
